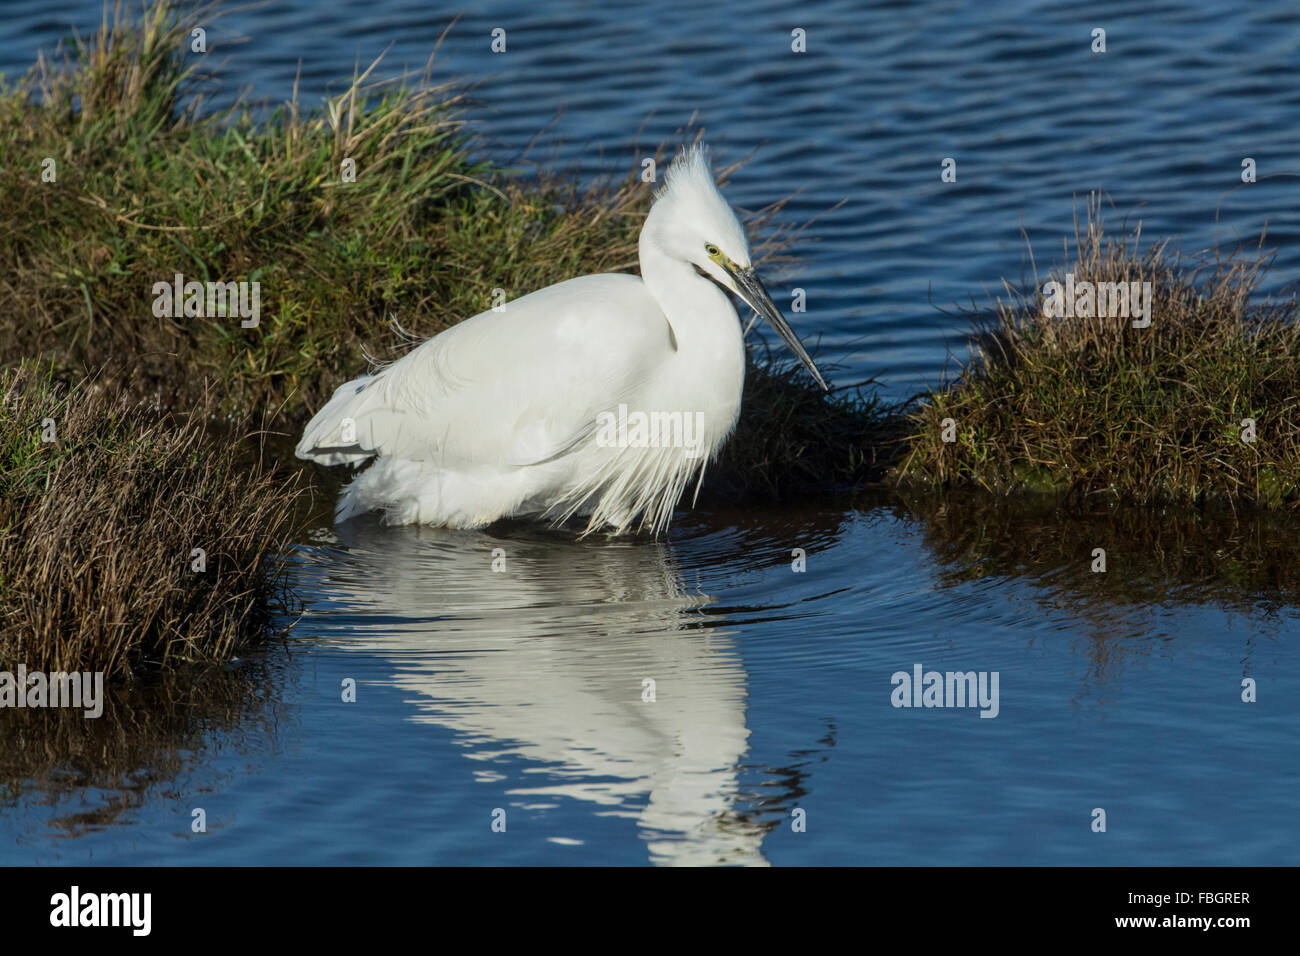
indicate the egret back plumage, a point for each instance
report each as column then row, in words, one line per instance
column 524, row 411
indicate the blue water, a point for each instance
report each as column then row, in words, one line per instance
column 521, row 689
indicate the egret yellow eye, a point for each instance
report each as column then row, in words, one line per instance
column 711, row 249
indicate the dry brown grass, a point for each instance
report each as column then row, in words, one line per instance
column 98, row 529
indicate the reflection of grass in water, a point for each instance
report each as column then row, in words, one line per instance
column 1156, row 562
column 1246, row 561
column 152, row 733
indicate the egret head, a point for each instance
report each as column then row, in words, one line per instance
column 693, row 223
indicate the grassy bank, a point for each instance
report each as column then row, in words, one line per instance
column 128, row 537
column 149, row 185
column 1198, row 407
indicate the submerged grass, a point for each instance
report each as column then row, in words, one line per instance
column 1095, row 406
column 794, row 439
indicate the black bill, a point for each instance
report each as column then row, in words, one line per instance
column 751, row 289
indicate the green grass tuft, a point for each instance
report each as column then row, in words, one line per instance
column 1094, row 406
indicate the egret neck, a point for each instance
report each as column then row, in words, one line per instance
column 709, row 364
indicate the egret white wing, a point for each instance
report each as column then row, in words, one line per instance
column 517, row 387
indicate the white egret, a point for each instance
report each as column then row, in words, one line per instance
column 601, row 396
